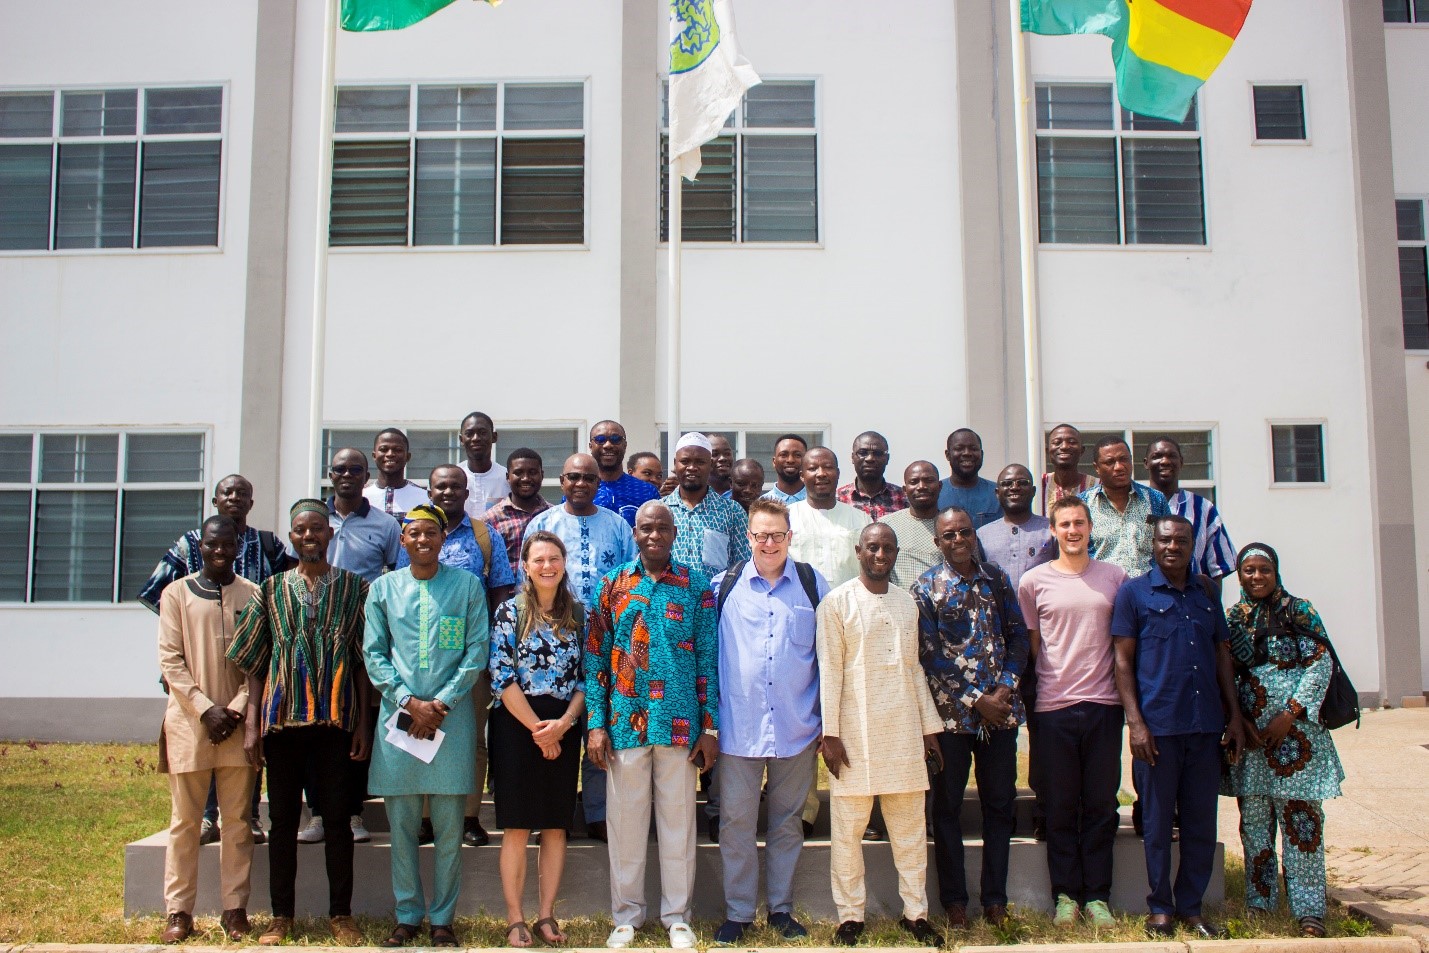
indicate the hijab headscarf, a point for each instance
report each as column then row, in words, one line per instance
column 1251, row 620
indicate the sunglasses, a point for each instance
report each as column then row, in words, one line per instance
column 348, row 471
column 601, row 440
column 953, row 535
column 580, row 477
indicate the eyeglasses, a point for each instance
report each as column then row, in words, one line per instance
column 954, row 535
column 1014, row 484
column 349, row 471
column 603, row 439
column 580, row 477
column 770, row 537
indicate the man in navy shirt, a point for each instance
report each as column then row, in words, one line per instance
column 618, row 491
column 1173, row 673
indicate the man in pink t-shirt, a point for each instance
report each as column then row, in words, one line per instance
column 1067, row 605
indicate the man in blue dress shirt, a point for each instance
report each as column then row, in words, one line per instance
column 618, row 491
column 964, row 487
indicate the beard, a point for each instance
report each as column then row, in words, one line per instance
column 305, row 558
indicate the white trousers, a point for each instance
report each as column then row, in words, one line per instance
column 907, row 834
column 636, row 774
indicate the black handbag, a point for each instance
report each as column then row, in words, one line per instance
column 1342, row 703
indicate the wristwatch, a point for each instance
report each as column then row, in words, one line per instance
column 712, row 732
column 402, row 700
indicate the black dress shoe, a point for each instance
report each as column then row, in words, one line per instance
column 473, row 834
column 424, row 833
column 595, row 830
column 848, row 932
column 922, row 931
column 872, row 833
column 808, row 828
column 1203, row 929
column 1159, row 925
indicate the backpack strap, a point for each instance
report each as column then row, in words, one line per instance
column 726, row 585
column 482, row 532
column 807, row 580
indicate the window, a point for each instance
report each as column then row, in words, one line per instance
column 1279, row 112
column 433, row 446
column 84, row 517
column 1413, row 273
column 110, row 168
column 1406, row 11
column 1298, row 453
column 758, row 445
column 483, row 164
column 1106, row 176
column 759, row 178
column 1198, row 472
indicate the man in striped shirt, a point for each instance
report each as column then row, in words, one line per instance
column 1214, row 553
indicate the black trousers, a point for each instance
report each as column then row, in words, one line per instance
column 1079, row 751
column 995, row 764
column 290, row 753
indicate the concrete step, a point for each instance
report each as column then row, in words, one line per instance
column 585, row 889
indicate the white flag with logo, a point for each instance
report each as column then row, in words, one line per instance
column 708, row 77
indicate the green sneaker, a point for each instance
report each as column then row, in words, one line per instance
column 1066, row 914
column 1100, row 915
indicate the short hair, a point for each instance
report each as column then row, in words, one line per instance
column 1165, row 439
column 1067, row 502
column 772, row 507
column 1110, row 440
column 871, row 433
column 219, row 521
column 395, row 431
column 341, row 450
column 431, row 477
column 634, row 459
column 792, row 436
column 1156, row 520
column 478, row 415
column 601, row 423
column 947, row 510
column 524, row 453
column 964, row 430
column 232, row 476
column 746, row 463
column 827, row 450
column 1071, row 427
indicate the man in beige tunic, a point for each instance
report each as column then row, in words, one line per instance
column 880, row 725
column 201, row 740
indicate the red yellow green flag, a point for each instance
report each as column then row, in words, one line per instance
column 364, row 16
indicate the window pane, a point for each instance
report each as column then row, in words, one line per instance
column 461, row 108
column 14, row 544
column 706, row 204
column 25, row 196
column 1298, row 453
column 1279, row 112
column 94, row 207
column 369, row 193
column 1409, row 217
column 15, row 449
column 1138, row 123
column 153, row 519
column 1162, row 185
column 178, row 201
column 542, row 191
column 164, row 458
column 1396, row 11
column 553, row 445
column 381, row 109
column 1076, row 190
column 545, row 105
column 79, row 458
column 455, row 202
column 26, row 115
column 1195, row 452
column 759, row 445
column 782, row 105
column 431, row 448
column 780, row 189
column 74, row 546
column 1071, row 106
column 99, row 112
column 1421, row 11
column 177, row 111
column 1414, row 297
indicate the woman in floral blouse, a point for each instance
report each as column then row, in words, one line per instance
column 1282, row 667
column 538, row 689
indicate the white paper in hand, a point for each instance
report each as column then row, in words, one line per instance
column 423, row 750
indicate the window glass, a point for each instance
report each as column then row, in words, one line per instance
column 179, row 194
column 780, row 104
column 1076, row 190
column 94, row 204
column 1162, row 191
column 456, row 108
column 455, row 200
column 153, row 519
column 1298, row 453
column 74, row 546
column 543, row 191
column 164, row 458
column 188, row 110
column 545, row 106
column 1279, row 112
column 79, row 458
column 26, row 115
column 780, row 190
column 1409, row 217
column 14, row 544
column 25, row 188
column 1073, row 106
column 369, row 193
column 15, row 451
column 99, row 112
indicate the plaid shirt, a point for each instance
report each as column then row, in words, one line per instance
column 890, row 499
column 509, row 522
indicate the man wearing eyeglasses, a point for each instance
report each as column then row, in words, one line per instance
column 1020, row 539
column 365, row 540
column 870, row 491
column 619, row 491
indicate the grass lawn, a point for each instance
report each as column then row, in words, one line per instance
column 66, row 812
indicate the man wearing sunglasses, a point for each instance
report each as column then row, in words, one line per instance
column 365, row 540
column 618, row 491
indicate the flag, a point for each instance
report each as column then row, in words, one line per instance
column 364, row 16
column 1163, row 49
column 708, row 77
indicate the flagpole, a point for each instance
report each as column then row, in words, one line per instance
column 320, row 247
column 1031, row 323
column 672, row 333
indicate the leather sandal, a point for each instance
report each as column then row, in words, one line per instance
column 523, row 933
column 556, row 938
column 1312, row 926
column 402, row 934
column 442, row 935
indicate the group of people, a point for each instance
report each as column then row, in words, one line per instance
column 703, row 626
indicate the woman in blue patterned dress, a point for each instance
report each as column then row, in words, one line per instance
column 1282, row 668
column 538, row 692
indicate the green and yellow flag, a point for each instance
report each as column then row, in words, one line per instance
column 1163, row 49
column 362, row 16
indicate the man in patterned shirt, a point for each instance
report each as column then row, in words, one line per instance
column 869, row 491
column 619, row 491
column 1215, row 553
column 711, row 529
column 525, row 473
column 973, row 647
column 1119, row 507
column 652, row 703
column 1064, row 453
column 917, row 549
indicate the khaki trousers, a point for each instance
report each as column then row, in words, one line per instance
column 907, row 833
column 188, row 791
column 636, row 773
column 481, row 700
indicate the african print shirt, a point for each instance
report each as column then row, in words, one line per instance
column 625, row 495
column 543, row 663
column 595, row 545
column 509, row 522
column 971, row 639
column 890, row 499
column 711, row 536
column 1124, row 538
column 1215, row 553
column 651, row 657
column 1051, row 491
column 260, row 555
column 307, row 654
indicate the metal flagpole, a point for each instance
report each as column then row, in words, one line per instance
column 320, row 246
column 1031, row 324
column 672, row 324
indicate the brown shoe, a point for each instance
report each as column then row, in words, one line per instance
column 178, row 928
column 279, row 929
column 235, row 924
column 345, row 931
column 957, row 915
column 995, row 914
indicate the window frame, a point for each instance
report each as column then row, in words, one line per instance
column 1118, row 134
column 413, row 134
column 738, row 130
column 1308, row 138
column 1323, row 424
column 1412, row 21
column 137, row 138
column 118, row 486
column 1422, row 244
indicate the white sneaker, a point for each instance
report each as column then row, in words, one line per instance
column 359, row 830
column 681, row 936
column 313, row 833
column 620, row 937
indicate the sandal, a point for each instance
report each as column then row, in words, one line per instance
column 442, row 935
column 556, row 937
column 523, row 934
column 402, row 934
column 1312, row 926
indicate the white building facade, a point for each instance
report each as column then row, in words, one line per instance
column 1251, row 281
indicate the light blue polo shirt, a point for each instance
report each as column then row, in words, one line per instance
column 366, row 541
